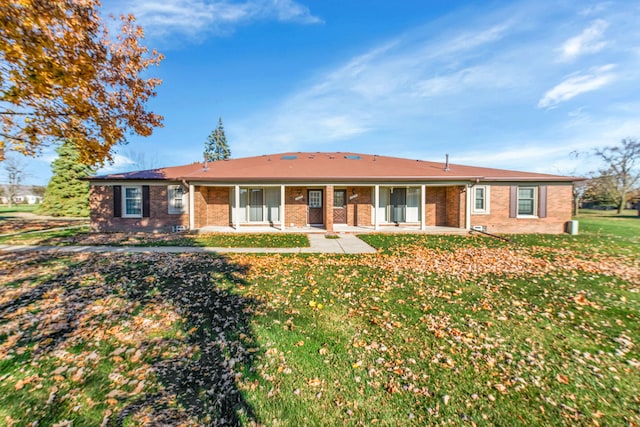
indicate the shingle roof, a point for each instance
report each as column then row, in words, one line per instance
column 328, row 167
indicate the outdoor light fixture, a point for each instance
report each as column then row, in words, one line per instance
column 353, row 194
column 299, row 195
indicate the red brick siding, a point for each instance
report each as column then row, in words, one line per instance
column 435, row 206
column 219, row 206
column 359, row 208
column 559, row 198
column 452, row 207
column 200, row 206
column 295, row 210
column 102, row 219
column 328, row 207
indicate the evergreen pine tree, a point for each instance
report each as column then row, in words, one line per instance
column 216, row 147
column 67, row 194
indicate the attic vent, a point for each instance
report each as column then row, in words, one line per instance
column 289, row 157
column 352, row 157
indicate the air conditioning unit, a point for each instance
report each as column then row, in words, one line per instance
column 479, row 228
column 179, row 228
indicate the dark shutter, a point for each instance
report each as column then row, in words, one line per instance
column 117, row 201
column 146, row 205
column 542, row 201
column 513, row 201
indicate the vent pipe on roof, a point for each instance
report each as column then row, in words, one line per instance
column 446, row 163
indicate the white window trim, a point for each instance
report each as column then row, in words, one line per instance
column 535, row 202
column 171, row 200
column 487, row 198
column 247, row 208
column 124, row 202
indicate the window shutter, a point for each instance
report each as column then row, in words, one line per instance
column 117, row 201
column 542, row 201
column 513, row 201
column 146, row 205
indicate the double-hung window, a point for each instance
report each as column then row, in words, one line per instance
column 527, row 197
column 177, row 199
column 480, row 202
column 132, row 201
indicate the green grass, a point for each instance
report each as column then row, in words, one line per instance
column 432, row 330
column 228, row 240
column 55, row 237
column 5, row 209
column 81, row 236
column 602, row 232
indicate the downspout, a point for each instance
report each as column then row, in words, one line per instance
column 467, row 207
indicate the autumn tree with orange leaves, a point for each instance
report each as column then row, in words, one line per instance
column 63, row 76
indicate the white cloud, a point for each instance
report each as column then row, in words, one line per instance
column 595, row 9
column 576, row 84
column 120, row 163
column 368, row 92
column 589, row 41
column 194, row 17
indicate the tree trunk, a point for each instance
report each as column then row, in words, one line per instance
column 622, row 202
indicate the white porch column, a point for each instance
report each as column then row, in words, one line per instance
column 236, row 208
column 192, row 207
column 282, row 195
column 376, row 197
column 468, row 208
column 423, row 202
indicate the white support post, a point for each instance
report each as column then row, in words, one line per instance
column 192, row 207
column 467, row 207
column 376, row 198
column 236, row 208
column 282, row 203
column 423, row 202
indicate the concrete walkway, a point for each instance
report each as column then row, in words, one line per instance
column 346, row 244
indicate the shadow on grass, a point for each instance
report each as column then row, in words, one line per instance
column 216, row 322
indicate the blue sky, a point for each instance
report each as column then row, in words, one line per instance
column 515, row 85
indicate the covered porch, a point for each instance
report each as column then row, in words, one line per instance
column 312, row 208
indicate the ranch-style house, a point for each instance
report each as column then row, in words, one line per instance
column 331, row 192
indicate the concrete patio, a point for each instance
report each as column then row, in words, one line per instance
column 337, row 229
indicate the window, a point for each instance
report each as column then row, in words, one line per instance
column 526, row 201
column 315, row 198
column 480, row 202
column 132, row 201
column 177, row 199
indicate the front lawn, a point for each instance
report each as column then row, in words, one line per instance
column 5, row 210
column 81, row 236
column 434, row 330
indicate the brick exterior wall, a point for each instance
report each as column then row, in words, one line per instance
column 452, row 206
column 328, row 208
column 295, row 210
column 218, row 205
column 559, row 206
column 199, row 207
column 435, row 206
column 359, row 208
column 102, row 219
column 444, row 206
